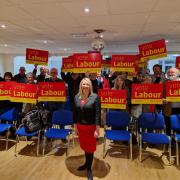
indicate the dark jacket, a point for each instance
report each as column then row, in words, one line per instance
column 39, row 78
column 87, row 114
column 20, row 79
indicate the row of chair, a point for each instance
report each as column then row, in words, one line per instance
column 151, row 129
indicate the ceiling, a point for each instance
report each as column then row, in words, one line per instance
column 127, row 23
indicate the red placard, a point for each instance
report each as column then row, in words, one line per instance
column 25, row 93
column 5, row 90
column 178, row 62
column 173, row 91
column 34, row 56
column 147, row 93
column 67, row 64
column 106, row 63
column 123, row 63
column 153, row 50
column 51, row 91
column 87, row 62
column 115, row 99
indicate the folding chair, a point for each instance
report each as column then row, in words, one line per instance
column 175, row 133
column 153, row 122
column 10, row 116
column 59, row 118
column 117, row 119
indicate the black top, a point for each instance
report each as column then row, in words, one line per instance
column 89, row 113
column 20, row 78
column 51, row 80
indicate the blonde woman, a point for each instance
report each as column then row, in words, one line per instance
column 87, row 116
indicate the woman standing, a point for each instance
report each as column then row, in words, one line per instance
column 87, row 116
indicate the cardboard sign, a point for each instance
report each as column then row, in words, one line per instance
column 25, row 93
column 153, row 50
column 34, row 56
column 173, row 91
column 114, row 99
column 67, row 64
column 178, row 62
column 87, row 62
column 5, row 90
column 123, row 63
column 52, row 91
column 147, row 93
column 106, row 63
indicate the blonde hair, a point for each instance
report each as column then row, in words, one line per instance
column 116, row 86
column 80, row 93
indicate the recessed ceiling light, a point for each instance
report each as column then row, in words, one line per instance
column 3, row 26
column 45, row 41
column 5, row 45
column 86, row 10
column 166, row 41
column 101, row 35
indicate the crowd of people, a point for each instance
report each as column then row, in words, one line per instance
column 82, row 90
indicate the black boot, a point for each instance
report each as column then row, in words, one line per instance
column 81, row 168
column 89, row 175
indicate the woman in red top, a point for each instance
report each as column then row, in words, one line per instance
column 87, row 116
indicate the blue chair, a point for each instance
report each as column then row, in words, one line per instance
column 120, row 120
column 175, row 127
column 59, row 118
column 149, row 124
column 11, row 117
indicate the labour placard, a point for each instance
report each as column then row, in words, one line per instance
column 123, row 63
column 67, row 64
column 147, row 93
column 113, row 99
column 34, row 56
column 178, row 62
column 52, row 91
column 5, row 90
column 173, row 91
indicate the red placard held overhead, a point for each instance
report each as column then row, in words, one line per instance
column 25, row 93
column 51, row 91
column 178, row 62
column 147, row 93
column 173, row 91
column 114, row 99
column 153, row 50
column 87, row 62
column 67, row 64
column 123, row 63
column 34, row 56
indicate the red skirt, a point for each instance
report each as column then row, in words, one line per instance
column 87, row 140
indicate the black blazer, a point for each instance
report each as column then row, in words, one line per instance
column 87, row 114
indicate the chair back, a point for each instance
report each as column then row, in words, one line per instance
column 62, row 117
column 151, row 121
column 175, row 122
column 10, row 115
column 117, row 119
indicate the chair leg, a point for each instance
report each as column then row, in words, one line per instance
column 38, row 143
column 44, row 144
column 16, row 144
column 140, row 150
column 7, row 139
column 67, row 152
column 170, row 152
column 177, row 153
column 73, row 140
column 131, row 146
column 104, row 147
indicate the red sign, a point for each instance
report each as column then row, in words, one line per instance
column 147, row 93
column 178, row 62
column 51, row 91
column 5, row 90
column 25, row 93
column 173, row 91
column 87, row 62
column 153, row 50
column 114, row 99
column 67, row 64
column 34, row 56
column 123, row 63
column 106, row 63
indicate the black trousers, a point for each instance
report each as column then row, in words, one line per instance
column 89, row 160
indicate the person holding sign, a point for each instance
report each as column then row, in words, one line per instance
column 87, row 117
column 21, row 77
column 171, row 107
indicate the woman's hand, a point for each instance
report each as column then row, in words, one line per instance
column 96, row 132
